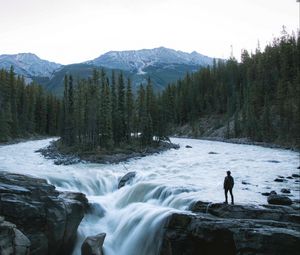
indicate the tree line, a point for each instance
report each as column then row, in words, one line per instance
column 258, row 98
column 26, row 110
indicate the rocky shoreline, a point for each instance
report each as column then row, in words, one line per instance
column 62, row 158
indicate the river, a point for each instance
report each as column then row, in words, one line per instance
column 165, row 183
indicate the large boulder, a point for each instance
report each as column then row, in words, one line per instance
column 48, row 218
column 12, row 240
column 126, row 178
column 275, row 199
column 92, row 245
column 232, row 229
column 204, row 234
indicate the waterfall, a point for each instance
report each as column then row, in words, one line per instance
column 132, row 217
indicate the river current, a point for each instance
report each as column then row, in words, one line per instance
column 132, row 217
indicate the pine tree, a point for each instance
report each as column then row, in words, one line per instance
column 14, row 125
column 129, row 109
column 121, row 131
column 107, row 134
column 5, row 110
column 40, row 114
column 71, row 112
column 114, row 107
column 65, row 110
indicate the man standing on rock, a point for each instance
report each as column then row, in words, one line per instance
column 228, row 185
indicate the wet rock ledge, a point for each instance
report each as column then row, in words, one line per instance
column 35, row 218
column 233, row 229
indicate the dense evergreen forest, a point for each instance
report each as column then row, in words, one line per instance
column 103, row 112
column 26, row 110
column 258, row 98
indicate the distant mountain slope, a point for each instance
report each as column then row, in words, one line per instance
column 162, row 65
column 163, row 74
column 78, row 71
column 137, row 60
column 28, row 64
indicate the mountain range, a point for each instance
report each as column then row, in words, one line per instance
column 161, row 64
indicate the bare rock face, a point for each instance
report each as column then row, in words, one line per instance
column 48, row 218
column 232, row 229
column 12, row 240
column 126, row 178
column 92, row 245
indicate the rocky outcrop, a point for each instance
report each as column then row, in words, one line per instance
column 92, row 245
column 126, row 178
column 12, row 240
column 232, row 229
column 261, row 212
column 275, row 199
column 48, row 218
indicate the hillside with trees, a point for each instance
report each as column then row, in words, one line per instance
column 258, row 98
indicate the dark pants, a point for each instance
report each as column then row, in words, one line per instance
column 226, row 191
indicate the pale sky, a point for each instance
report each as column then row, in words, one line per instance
column 72, row 31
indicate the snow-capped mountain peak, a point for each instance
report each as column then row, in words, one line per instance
column 28, row 64
column 137, row 60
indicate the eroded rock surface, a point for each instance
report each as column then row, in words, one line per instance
column 233, row 229
column 48, row 218
column 92, row 245
column 12, row 240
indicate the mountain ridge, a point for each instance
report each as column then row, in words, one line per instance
column 137, row 60
column 28, row 64
column 162, row 65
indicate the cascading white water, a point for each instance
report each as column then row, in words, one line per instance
column 133, row 216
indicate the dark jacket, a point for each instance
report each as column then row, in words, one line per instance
column 228, row 182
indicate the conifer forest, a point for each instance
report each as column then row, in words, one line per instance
column 257, row 98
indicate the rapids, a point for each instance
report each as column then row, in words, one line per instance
column 133, row 216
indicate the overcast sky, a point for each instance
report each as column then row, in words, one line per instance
column 70, row 31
